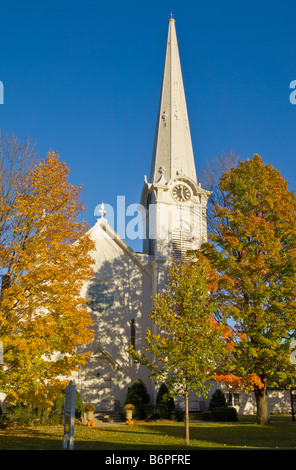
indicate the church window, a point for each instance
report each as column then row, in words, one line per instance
column 150, row 246
column 182, row 243
column 232, row 399
column 133, row 332
column 99, row 297
column 228, row 397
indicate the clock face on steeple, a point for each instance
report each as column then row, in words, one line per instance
column 181, row 192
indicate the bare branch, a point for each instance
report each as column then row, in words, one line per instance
column 210, row 179
column 16, row 160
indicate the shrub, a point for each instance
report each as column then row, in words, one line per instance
column 56, row 414
column 162, row 411
column 148, row 411
column 219, row 410
column 79, row 406
column 217, row 400
column 23, row 415
column 28, row 415
column 223, row 413
column 178, row 415
column 138, row 395
column 164, row 397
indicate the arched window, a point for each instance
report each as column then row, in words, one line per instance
column 99, row 296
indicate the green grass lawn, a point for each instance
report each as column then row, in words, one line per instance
column 153, row 436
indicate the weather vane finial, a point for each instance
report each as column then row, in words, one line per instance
column 172, row 16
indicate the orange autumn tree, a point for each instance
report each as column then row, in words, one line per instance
column 186, row 345
column 254, row 251
column 47, row 258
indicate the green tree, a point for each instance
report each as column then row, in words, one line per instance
column 188, row 341
column 254, row 253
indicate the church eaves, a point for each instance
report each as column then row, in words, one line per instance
column 172, row 152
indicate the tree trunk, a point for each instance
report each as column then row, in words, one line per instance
column 186, row 419
column 262, row 406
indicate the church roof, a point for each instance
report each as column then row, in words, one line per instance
column 172, row 153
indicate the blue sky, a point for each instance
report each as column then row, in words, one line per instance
column 84, row 77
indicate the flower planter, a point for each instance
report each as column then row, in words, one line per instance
column 89, row 411
column 89, row 415
column 128, row 415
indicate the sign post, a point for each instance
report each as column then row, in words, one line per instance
column 69, row 416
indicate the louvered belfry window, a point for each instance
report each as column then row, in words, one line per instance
column 182, row 242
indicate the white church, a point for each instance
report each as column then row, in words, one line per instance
column 120, row 293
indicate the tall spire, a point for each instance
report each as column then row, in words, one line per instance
column 172, row 153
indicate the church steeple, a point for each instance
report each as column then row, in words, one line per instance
column 175, row 204
column 172, row 153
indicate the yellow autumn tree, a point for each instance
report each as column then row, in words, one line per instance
column 43, row 318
